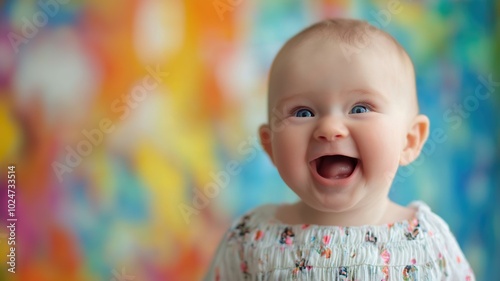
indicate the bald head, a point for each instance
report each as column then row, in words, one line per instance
column 352, row 39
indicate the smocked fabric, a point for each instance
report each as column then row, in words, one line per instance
column 259, row 247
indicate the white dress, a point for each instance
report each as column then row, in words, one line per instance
column 259, row 247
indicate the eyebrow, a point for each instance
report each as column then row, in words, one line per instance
column 370, row 92
column 280, row 103
column 361, row 91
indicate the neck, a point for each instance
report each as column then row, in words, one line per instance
column 371, row 213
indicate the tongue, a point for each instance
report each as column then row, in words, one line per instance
column 335, row 167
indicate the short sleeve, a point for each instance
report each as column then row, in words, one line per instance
column 214, row 271
column 228, row 263
column 453, row 262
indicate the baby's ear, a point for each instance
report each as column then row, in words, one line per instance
column 265, row 140
column 415, row 139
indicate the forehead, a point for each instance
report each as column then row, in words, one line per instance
column 328, row 65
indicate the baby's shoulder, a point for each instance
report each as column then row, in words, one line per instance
column 427, row 218
column 261, row 214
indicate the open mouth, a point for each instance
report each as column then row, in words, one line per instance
column 335, row 166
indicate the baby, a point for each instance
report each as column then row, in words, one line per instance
column 343, row 115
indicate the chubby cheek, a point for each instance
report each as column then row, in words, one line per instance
column 380, row 148
column 289, row 152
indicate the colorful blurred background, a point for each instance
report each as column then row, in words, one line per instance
column 132, row 127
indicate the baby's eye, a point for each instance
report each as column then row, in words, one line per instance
column 303, row 113
column 359, row 109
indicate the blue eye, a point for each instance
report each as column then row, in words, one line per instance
column 303, row 113
column 359, row 109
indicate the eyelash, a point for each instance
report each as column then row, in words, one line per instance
column 369, row 106
column 294, row 110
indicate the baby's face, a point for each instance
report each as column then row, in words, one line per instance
column 338, row 127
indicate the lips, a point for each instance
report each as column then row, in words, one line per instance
column 335, row 166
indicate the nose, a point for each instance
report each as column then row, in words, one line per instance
column 330, row 128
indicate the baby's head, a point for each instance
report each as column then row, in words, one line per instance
column 343, row 114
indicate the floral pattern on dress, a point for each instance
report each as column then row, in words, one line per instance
column 287, row 236
column 301, row 265
column 256, row 249
column 385, row 255
column 442, row 264
column 370, row 237
column 413, row 230
column 410, row 273
column 343, row 272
